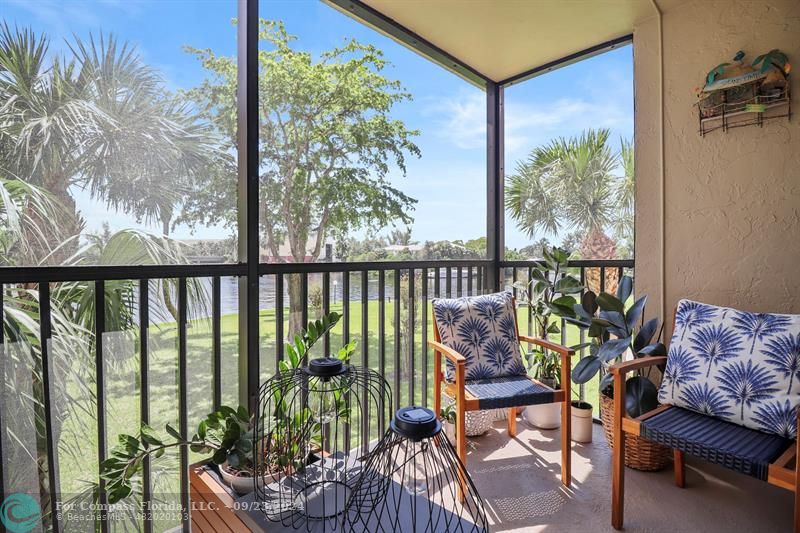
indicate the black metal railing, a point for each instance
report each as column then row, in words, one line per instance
column 385, row 307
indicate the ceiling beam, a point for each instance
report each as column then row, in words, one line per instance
column 393, row 29
column 567, row 60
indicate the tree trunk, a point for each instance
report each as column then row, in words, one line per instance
column 294, row 284
column 69, row 224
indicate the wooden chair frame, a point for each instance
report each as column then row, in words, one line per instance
column 780, row 473
column 464, row 401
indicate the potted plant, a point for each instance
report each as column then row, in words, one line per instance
column 447, row 415
column 226, row 435
column 548, row 293
column 620, row 332
column 546, row 368
column 582, row 421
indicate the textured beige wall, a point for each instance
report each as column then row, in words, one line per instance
column 732, row 199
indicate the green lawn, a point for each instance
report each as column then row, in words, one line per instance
column 78, row 440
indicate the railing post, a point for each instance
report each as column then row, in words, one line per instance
column 495, row 177
column 247, row 119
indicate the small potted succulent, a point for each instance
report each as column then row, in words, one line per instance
column 447, row 415
column 619, row 332
column 226, row 435
column 549, row 294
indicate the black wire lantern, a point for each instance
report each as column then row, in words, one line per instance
column 313, row 426
column 413, row 481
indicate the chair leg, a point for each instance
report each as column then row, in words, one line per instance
column 797, row 482
column 512, row 422
column 566, row 443
column 461, row 408
column 680, row 469
column 618, row 458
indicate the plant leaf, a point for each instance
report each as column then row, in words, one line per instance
column 635, row 312
column 608, row 302
column 586, row 369
column 625, row 288
column 641, row 396
column 645, row 335
column 612, row 349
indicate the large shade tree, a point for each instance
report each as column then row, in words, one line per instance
column 572, row 184
column 327, row 145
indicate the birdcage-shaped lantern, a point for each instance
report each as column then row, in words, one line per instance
column 313, row 426
column 414, row 482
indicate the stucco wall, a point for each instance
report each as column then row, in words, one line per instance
column 732, row 199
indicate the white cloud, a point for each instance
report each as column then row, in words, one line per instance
column 461, row 120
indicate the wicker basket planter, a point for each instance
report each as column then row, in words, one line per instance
column 476, row 423
column 640, row 454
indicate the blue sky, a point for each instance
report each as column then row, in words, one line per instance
column 448, row 180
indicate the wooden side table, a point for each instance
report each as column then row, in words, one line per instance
column 213, row 504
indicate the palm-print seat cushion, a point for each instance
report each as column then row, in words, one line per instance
column 484, row 330
column 734, row 365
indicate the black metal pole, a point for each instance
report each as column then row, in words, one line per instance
column 248, row 200
column 99, row 330
column 495, row 171
column 144, row 400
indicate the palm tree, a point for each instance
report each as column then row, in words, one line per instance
column 26, row 210
column 570, row 184
column 99, row 119
column 626, row 190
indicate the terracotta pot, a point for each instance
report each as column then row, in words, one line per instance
column 582, row 422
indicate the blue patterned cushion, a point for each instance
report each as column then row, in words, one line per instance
column 737, row 366
column 484, row 330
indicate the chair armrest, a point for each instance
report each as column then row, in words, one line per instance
column 544, row 343
column 635, row 364
column 451, row 354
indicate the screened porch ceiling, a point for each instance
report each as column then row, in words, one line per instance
column 502, row 39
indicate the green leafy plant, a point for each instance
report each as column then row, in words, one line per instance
column 615, row 331
column 448, row 413
column 546, row 367
column 227, row 435
column 549, row 293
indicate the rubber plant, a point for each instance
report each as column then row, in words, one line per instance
column 549, row 294
column 225, row 436
column 616, row 330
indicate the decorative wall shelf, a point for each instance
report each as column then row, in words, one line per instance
column 751, row 112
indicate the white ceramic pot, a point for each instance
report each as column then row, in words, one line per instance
column 543, row 416
column 450, row 432
column 239, row 483
column 582, row 422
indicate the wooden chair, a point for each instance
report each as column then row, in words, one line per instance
column 768, row 457
column 508, row 393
